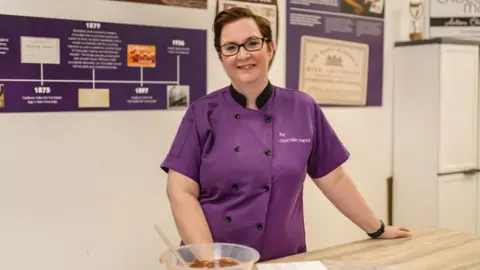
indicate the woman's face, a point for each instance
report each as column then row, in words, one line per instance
column 245, row 66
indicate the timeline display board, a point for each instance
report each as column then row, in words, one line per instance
column 68, row 65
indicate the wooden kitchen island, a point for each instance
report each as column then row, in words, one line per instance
column 429, row 248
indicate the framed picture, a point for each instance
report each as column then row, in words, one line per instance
column 178, row 97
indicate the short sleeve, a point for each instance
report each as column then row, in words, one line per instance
column 184, row 154
column 328, row 152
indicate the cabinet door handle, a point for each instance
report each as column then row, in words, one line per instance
column 466, row 172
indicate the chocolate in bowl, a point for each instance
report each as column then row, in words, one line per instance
column 218, row 263
column 226, row 256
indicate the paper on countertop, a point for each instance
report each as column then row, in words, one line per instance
column 310, row 265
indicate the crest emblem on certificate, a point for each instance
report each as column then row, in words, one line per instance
column 267, row 9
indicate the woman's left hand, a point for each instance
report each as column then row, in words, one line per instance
column 392, row 232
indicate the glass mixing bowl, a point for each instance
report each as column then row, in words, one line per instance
column 244, row 256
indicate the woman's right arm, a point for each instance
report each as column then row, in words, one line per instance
column 183, row 194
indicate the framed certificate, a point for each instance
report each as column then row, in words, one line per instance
column 334, row 71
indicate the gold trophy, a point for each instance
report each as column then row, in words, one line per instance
column 416, row 10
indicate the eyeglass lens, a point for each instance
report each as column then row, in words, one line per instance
column 251, row 45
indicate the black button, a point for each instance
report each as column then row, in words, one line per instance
column 267, row 119
column 237, row 148
column 268, row 153
column 259, row 226
column 266, row 188
column 237, row 116
column 228, row 219
column 235, row 187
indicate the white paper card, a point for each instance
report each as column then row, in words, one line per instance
column 38, row 50
column 311, row 265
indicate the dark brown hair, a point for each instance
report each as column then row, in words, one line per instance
column 236, row 13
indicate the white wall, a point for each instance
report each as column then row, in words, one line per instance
column 83, row 190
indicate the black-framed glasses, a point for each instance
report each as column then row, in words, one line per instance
column 251, row 45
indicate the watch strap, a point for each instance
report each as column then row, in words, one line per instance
column 379, row 232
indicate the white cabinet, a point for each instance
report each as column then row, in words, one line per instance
column 457, row 202
column 436, row 176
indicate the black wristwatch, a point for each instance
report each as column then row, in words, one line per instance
column 378, row 232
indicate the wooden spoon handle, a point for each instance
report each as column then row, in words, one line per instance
column 170, row 246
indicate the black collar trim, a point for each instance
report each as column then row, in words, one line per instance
column 261, row 99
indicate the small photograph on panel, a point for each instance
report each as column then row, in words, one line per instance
column 2, row 96
column 365, row 8
column 141, row 55
column 178, row 97
column 39, row 50
column 93, row 98
column 201, row 4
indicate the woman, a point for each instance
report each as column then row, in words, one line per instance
column 237, row 165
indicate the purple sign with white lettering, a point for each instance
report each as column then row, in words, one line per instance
column 67, row 65
column 335, row 50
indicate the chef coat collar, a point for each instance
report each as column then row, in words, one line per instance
column 261, row 99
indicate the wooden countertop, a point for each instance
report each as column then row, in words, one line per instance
column 428, row 248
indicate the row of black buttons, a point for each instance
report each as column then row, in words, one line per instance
column 266, row 152
column 235, row 187
column 259, row 225
column 266, row 118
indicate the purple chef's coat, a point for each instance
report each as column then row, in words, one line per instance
column 251, row 165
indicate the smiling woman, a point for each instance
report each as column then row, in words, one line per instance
column 241, row 154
